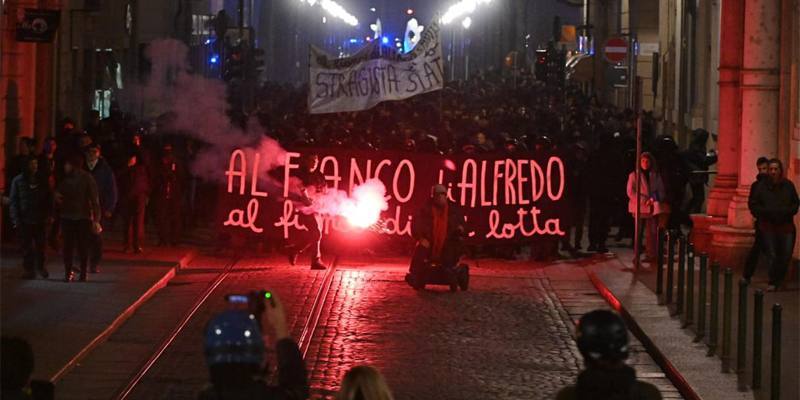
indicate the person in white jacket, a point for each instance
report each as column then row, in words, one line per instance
column 653, row 207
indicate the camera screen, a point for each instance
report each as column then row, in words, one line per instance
column 237, row 298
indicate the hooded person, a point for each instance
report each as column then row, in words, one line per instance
column 698, row 160
column 438, row 227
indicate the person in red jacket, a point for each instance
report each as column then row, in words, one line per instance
column 437, row 227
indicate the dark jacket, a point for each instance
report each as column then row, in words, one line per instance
column 760, row 178
column 601, row 384
column 605, row 173
column 422, row 228
column 134, row 182
column 168, row 180
column 50, row 170
column 79, row 196
column 698, row 159
column 773, row 203
column 31, row 200
column 106, row 184
column 292, row 382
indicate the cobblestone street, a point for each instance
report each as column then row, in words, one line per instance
column 505, row 338
column 508, row 337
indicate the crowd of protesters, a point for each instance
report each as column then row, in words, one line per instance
column 83, row 182
column 138, row 171
column 491, row 113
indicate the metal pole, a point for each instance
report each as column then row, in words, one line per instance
column 660, row 264
column 758, row 332
column 741, row 337
column 689, row 315
column 241, row 20
column 670, row 263
column 637, row 218
column 637, row 240
column 702, row 298
column 681, row 274
column 631, row 79
column 726, row 321
column 714, row 320
column 452, row 53
column 466, row 56
column 775, row 370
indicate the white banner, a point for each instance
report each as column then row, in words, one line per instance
column 367, row 78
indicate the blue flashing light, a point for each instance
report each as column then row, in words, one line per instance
column 353, row 40
column 213, row 59
column 385, row 40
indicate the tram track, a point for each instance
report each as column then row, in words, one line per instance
column 167, row 342
column 309, row 327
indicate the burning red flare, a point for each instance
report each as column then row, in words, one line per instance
column 364, row 207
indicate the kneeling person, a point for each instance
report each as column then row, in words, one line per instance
column 438, row 227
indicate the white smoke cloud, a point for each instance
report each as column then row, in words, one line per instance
column 197, row 107
column 361, row 209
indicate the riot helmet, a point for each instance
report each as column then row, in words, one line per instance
column 602, row 336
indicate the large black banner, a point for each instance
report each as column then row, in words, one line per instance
column 503, row 198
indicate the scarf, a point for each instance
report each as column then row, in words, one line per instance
column 439, row 230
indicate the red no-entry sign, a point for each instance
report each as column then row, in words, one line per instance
column 616, row 50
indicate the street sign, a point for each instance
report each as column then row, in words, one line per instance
column 616, row 50
column 617, row 76
column 37, row 25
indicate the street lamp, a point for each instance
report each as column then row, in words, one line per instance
column 463, row 7
column 335, row 10
column 466, row 23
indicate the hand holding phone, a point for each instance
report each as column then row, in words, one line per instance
column 276, row 318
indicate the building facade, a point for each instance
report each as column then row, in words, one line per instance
column 731, row 67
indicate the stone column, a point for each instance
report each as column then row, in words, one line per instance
column 731, row 44
column 759, row 127
column 730, row 105
column 760, row 94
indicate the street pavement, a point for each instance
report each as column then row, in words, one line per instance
column 703, row 372
column 509, row 337
column 61, row 319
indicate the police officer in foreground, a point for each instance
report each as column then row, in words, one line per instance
column 603, row 341
column 234, row 350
